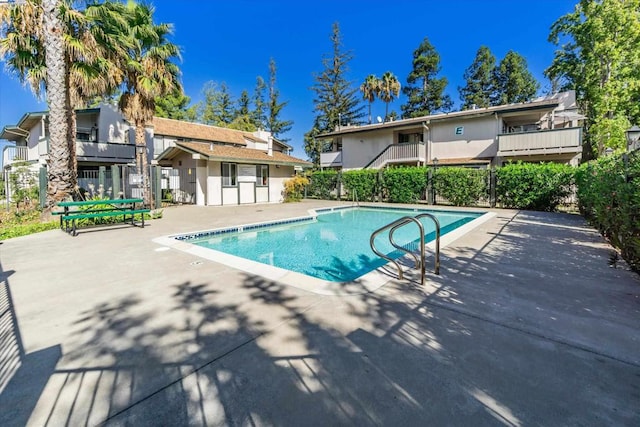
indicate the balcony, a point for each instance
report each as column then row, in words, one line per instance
column 554, row 141
column 13, row 154
column 330, row 159
column 105, row 152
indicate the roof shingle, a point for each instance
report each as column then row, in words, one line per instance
column 197, row 131
column 222, row 152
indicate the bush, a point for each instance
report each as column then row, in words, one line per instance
column 462, row 186
column 609, row 198
column 540, row 187
column 322, row 184
column 404, row 184
column 294, row 187
column 363, row 182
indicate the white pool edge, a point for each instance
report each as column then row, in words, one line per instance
column 366, row 283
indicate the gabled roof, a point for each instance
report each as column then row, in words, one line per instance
column 197, row 131
column 232, row 154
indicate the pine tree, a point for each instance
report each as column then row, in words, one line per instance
column 243, row 104
column 259, row 105
column 217, row 108
column 513, row 81
column 276, row 126
column 424, row 91
column 172, row 106
column 479, row 87
column 336, row 99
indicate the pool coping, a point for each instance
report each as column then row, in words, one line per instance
column 366, row 283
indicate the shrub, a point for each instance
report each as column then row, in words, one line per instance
column 294, row 187
column 609, row 198
column 461, row 186
column 404, row 184
column 322, row 184
column 540, row 187
column 363, row 182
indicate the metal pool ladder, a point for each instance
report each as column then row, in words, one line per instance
column 399, row 223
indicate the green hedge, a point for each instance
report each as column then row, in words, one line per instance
column 462, row 186
column 609, row 198
column 322, row 184
column 539, row 187
column 404, row 184
column 363, row 182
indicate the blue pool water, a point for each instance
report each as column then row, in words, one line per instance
column 333, row 247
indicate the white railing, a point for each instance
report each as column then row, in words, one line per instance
column 398, row 153
column 105, row 151
column 553, row 141
column 13, row 154
column 333, row 158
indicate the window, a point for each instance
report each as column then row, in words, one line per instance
column 262, row 175
column 408, row 138
column 229, row 175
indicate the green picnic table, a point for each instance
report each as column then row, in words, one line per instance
column 73, row 211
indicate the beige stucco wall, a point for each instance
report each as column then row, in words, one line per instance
column 360, row 148
column 214, row 184
column 277, row 177
column 478, row 140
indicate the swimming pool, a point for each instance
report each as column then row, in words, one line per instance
column 332, row 245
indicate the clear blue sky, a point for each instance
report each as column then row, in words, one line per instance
column 232, row 42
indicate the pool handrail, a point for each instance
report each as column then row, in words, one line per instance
column 401, row 222
column 436, row 268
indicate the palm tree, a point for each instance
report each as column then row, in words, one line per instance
column 148, row 74
column 61, row 179
column 33, row 47
column 389, row 90
column 87, row 73
column 370, row 90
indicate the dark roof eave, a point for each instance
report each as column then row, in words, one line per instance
column 256, row 161
column 466, row 114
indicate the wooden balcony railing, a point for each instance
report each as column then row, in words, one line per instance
column 554, row 141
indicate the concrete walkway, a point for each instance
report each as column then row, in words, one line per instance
column 527, row 325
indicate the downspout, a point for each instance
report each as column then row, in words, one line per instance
column 497, row 161
column 428, row 144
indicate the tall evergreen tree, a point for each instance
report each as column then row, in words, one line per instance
column 336, row 99
column 217, row 108
column 389, row 90
column 599, row 58
column 173, row 105
column 424, row 91
column 275, row 125
column 479, row 86
column 243, row 104
column 258, row 116
column 513, row 81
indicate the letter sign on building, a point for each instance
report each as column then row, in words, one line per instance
column 460, row 130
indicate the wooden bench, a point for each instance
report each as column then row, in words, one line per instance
column 127, row 208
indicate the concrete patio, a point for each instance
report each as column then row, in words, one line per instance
column 528, row 324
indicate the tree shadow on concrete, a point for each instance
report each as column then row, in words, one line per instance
column 258, row 353
column 23, row 376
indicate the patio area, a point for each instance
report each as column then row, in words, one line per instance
column 528, row 324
